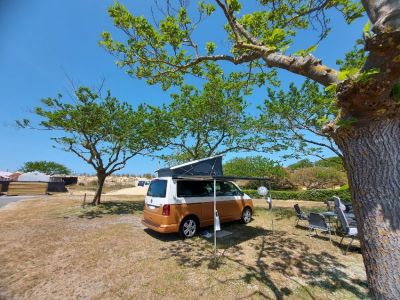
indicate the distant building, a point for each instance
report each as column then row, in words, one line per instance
column 5, row 176
column 34, row 176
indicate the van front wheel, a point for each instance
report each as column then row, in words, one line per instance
column 188, row 228
column 246, row 215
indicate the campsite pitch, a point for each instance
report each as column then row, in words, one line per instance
column 55, row 249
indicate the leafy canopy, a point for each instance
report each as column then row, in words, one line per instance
column 163, row 50
column 303, row 163
column 294, row 119
column 331, row 162
column 104, row 132
column 317, row 177
column 253, row 166
column 210, row 121
column 47, row 167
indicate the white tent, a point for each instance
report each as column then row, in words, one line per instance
column 5, row 176
column 34, row 176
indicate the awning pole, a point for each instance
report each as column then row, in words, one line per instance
column 215, row 217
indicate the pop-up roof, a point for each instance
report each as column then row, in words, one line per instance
column 211, row 166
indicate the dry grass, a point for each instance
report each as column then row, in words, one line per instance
column 52, row 248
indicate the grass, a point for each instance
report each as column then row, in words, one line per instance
column 54, row 248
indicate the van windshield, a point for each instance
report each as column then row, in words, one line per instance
column 157, row 188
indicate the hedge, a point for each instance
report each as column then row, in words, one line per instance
column 309, row 195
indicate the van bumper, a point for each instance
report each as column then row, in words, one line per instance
column 160, row 228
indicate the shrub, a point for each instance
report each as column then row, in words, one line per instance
column 257, row 166
column 318, row 177
column 310, row 195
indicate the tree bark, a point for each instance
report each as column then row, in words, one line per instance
column 101, row 177
column 384, row 14
column 372, row 159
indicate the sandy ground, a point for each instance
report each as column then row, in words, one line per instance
column 54, row 249
column 139, row 190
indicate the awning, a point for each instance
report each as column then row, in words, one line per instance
column 211, row 166
column 230, row 178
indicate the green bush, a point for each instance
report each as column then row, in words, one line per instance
column 309, row 195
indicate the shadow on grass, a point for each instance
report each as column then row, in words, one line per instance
column 199, row 250
column 165, row 237
column 266, row 257
column 115, row 207
column 281, row 213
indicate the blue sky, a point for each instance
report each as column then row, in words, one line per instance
column 43, row 40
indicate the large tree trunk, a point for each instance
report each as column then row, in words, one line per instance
column 372, row 159
column 101, row 177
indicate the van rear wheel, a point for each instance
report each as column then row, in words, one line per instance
column 188, row 227
column 246, row 215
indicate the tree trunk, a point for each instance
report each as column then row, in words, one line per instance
column 101, row 177
column 372, row 158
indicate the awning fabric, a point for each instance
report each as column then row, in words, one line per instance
column 211, row 166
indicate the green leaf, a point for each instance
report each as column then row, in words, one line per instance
column 347, row 73
column 396, row 92
column 367, row 27
column 234, row 5
column 364, row 77
column 210, row 47
column 331, row 88
column 206, row 8
column 307, row 51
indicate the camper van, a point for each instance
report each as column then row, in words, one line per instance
column 185, row 205
column 181, row 203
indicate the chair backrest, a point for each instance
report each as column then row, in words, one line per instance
column 297, row 209
column 343, row 220
column 330, row 205
column 338, row 203
column 317, row 220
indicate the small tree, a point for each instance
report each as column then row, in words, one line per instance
column 257, row 166
column 317, row 177
column 304, row 163
column 103, row 132
column 48, row 167
column 331, row 162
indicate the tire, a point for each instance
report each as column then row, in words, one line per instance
column 188, row 227
column 246, row 215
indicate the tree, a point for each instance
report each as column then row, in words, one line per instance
column 294, row 120
column 102, row 131
column 334, row 162
column 317, row 177
column 256, row 166
column 47, row 167
column 366, row 128
column 212, row 121
column 331, row 162
column 304, row 163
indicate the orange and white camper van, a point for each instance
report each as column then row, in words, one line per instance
column 185, row 205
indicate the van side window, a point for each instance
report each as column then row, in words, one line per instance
column 157, row 188
column 193, row 188
column 227, row 189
